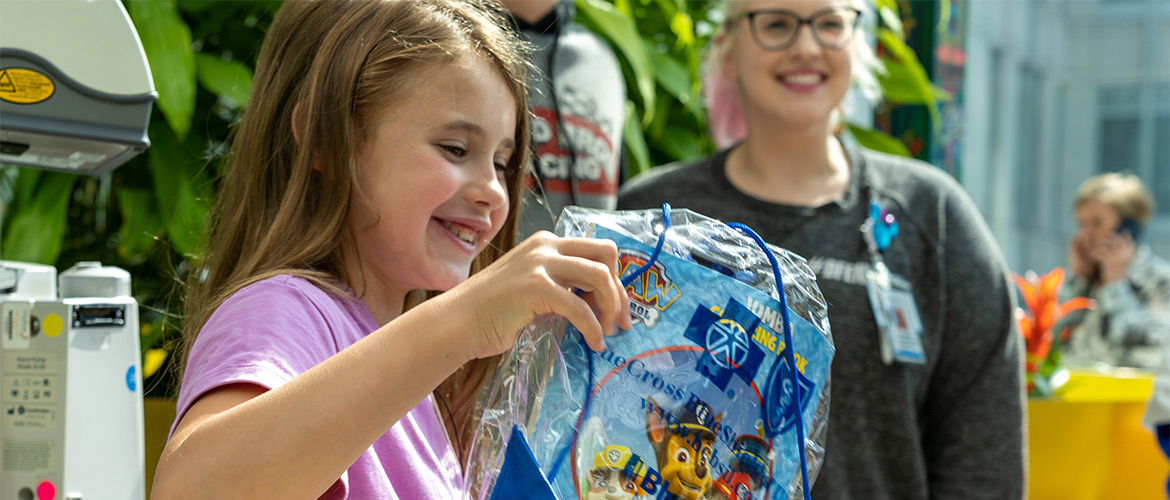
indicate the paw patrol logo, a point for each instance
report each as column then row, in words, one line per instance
column 728, row 343
column 652, row 292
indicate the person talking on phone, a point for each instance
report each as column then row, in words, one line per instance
column 1109, row 263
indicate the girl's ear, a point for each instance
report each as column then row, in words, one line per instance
column 296, row 131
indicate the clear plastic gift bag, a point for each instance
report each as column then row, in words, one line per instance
column 697, row 400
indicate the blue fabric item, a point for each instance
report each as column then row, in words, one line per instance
column 1163, row 432
column 520, row 476
column 1164, row 438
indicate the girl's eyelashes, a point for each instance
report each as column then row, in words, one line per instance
column 459, row 153
column 456, row 151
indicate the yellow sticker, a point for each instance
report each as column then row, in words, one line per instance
column 25, row 86
column 52, row 325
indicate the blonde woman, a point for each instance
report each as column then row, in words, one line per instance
column 1109, row 262
column 930, row 405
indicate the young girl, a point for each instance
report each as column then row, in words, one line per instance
column 945, row 418
column 382, row 153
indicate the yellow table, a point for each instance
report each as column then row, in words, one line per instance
column 1088, row 443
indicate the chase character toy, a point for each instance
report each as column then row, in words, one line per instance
column 682, row 442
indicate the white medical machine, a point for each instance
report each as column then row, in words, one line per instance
column 71, row 423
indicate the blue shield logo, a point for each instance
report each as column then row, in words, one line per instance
column 729, row 348
column 780, row 400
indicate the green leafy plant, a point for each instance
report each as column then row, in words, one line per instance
column 660, row 46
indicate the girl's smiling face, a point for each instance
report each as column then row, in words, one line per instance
column 430, row 179
column 799, row 85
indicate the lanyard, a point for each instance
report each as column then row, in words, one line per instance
column 892, row 300
column 878, row 231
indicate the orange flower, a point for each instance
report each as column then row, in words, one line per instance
column 1042, row 313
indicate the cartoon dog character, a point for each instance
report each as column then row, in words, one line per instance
column 616, row 475
column 682, row 444
column 751, row 467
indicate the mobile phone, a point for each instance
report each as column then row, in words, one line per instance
column 1132, row 227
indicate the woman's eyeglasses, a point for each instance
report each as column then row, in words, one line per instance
column 778, row 29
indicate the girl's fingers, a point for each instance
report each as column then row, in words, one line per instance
column 578, row 312
column 603, row 251
column 610, row 322
column 590, row 265
column 622, row 309
column 602, row 290
column 624, row 320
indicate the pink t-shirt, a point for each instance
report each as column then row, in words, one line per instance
column 275, row 329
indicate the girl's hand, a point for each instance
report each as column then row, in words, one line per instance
column 1114, row 255
column 541, row 276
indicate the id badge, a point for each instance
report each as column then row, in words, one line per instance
column 899, row 327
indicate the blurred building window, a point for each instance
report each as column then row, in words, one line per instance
column 1118, row 129
column 1161, row 168
column 1120, row 136
column 1161, row 178
column 1027, row 172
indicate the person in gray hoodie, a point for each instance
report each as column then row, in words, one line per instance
column 578, row 97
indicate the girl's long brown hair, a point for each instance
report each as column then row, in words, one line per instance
column 326, row 68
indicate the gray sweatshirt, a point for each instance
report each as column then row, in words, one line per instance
column 949, row 429
column 579, row 106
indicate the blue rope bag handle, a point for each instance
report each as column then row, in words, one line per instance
column 629, row 278
column 791, row 358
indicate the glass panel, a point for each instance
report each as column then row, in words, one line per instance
column 1026, row 188
column 1160, row 179
column 1118, row 145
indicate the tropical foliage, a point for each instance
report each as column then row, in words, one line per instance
column 147, row 216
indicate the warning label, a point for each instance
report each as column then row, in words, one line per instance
column 25, row 86
column 27, row 456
